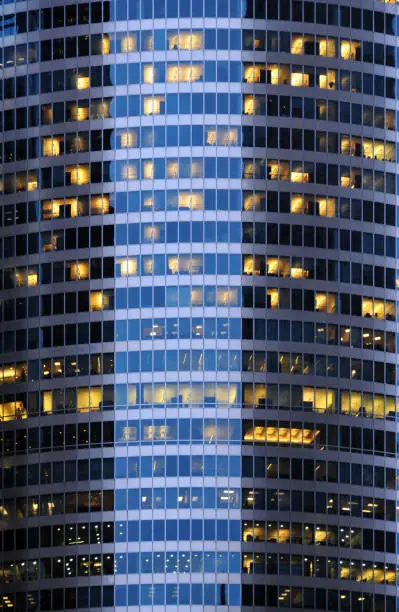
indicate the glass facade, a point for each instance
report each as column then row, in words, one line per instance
column 198, row 223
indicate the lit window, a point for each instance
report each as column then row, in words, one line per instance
column 273, row 170
column 326, row 207
column 227, row 136
column 51, row 146
column 296, row 204
column 154, row 105
column 105, row 45
column 151, row 233
column 211, row 136
column 252, row 201
column 148, row 74
column 128, row 139
column 252, row 73
column 249, row 105
column 326, row 47
column 98, row 301
column 274, row 74
column 173, row 168
column 328, row 79
column 148, row 170
column 32, row 181
column 184, row 40
column 350, row 50
column 296, row 44
column 82, row 82
column 129, row 172
column 77, row 175
column 190, row 200
column 299, row 177
column 183, row 73
column 298, row 79
column 79, row 113
column 129, row 44
column 78, row 270
column 197, row 298
column 128, row 267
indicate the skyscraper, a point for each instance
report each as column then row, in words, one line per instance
column 198, row 305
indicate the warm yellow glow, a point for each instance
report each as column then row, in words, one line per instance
column 148, row 73
column 32, row 184
column 79, row 113
column 151, row 233
column 326, row 207
column 148, row 170
column 79, row 175
column 128, row 267
column 280, row 435
column 51, row 147
column 99, row 204
column 320, row 302
column 252, row 201
column 105, row 45
column 296, row 45
column 274, row 75
column 12, row 410
column 328, row 80
column 299, row 80
column 190, row 200
column 173, row 264
column 128, row 44
column 173, row 168
column 183, row 73
column 79, row 270
column 249, row 105
column 323, row 81
column 297, row 272
column 254, row 533
column 152, row 106
column 273, row 171
column 299, row 177
column 252, row 74
column 248, row 267
column 47, row 402
column 211, row 136
column 320, row 536
column 98, row 301
column 32, row 279
column 345, row 144
column 185, row 41
column 273, row 299
column 346, row 49
column 296, row 204
column 327, row 48
column 128, row 139
column 129, row 172
column 345, row 181
column 228, row 137
column 82, row 82
column 272, row 266
column 89, row 399
column 197, row 296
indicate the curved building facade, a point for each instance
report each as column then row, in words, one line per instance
column 198, row 305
